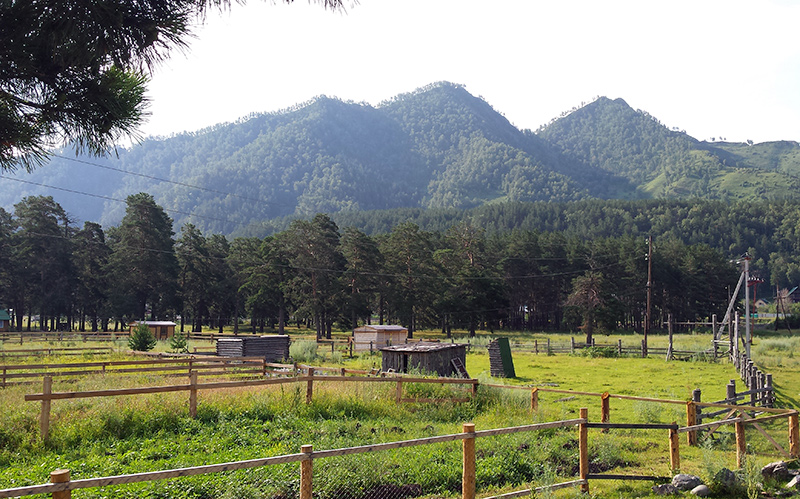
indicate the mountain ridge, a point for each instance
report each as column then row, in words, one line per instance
column 436, row 147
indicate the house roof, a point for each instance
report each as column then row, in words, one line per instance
column 422, row 346
column 4, row 315
column 154, row 323
column 382, row 327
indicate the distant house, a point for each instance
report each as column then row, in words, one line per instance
column 762, row 303
column 428, row 357
column 794, row 295
column 5, row 321
column 161, row 330
column 372, row 337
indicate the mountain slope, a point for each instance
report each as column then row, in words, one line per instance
column 610, row 135
column 437, row 147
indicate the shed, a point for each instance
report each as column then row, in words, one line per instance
column 272, row 347
column 443, row 359
column 161, row 330
column 367, row 338
column 5, row 321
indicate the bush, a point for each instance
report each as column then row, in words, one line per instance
column 141, row 339
column 303, row 350
column 179, row 343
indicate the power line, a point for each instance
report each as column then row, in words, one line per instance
column 152, row 177
column 109, row 198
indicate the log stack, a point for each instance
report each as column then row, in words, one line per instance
column 272, row 348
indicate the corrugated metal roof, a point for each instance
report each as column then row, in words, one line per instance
column 154, row 323
column 422, row 346
column 383, row 327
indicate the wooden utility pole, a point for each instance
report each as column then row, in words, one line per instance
column 649, row 290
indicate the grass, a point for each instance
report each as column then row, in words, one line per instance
column 98, row 437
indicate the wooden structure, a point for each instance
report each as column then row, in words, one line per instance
column 272, row 348
column 5, row 321
column 500, row 361
column 161, row 330
column 427, row 357
column 373, row 337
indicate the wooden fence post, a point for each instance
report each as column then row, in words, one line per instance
column 619, row 348
column 730, row 392
column 794, row 436
column 605, row 408
column 310, row 386
column 535, row 399
column 193, row 394
column 44, row 417
column 674, row 450
column 60, row 476
column 468, row 474
column 691, row 420
column 741, row 445
column 536, row 347
column 398, row 392
column 306, row 472
column 583, row 448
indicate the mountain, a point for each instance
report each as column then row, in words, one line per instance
column 663, row 163
column 437, row 147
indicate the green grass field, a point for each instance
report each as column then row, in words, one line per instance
column 99, row 437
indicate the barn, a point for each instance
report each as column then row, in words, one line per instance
column 372, row 337
column 444, row 359
column 161, row 330
column 272, row 347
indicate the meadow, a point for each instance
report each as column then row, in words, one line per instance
column 109, row 436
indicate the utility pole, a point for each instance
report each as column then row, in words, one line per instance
column 649, row 287
column 747, row 336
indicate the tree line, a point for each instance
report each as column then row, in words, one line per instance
column 318, row 274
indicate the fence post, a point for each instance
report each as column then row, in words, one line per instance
column 605, row 408
column 571, row 344
column 730, row 392
column 770, row 391
column 644, row 349
column 691, row 420
column 583, row 448
column 619, row 347
column 794, row 436
column 350, row 341
column 741, row 445
column 60, row 476
column 698, row 410
column 44, row 417
column 536, row 347
column 310, row 386
column 535, row 399
column 398, row 392
column 306, row 472
column 468, row 475
column 193, row 394
column 674, row 450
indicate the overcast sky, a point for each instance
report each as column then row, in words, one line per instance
column 713, row 68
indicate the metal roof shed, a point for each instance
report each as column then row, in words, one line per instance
column 429, row 357
column 372, row 337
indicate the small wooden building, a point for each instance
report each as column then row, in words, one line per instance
column 161, row 330
column 373, row 337
column 425, row 356
column 5, row 321
column 272, row 347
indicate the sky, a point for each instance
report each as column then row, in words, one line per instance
column 724, row 69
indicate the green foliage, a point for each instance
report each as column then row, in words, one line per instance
column 141, row 339
column 598, row 352
column 179, row 343
column 303, row 350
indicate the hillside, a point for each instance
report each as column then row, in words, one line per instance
column 663, row 163
column 437, row 147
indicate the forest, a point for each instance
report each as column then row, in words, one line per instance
column 324, row 275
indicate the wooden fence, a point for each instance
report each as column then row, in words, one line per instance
column 61, row 485
column 193, row 387
column 12, row 374
column 38, row 352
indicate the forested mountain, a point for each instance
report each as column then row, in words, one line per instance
column 435, row 148
column 664, row 163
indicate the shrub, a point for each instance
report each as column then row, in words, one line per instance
column 179, row 343
column 141, row 339
column 303, row 350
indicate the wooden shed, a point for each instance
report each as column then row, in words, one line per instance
column 273, row 347
column 5, row 321
column 161, row 330
column 444, row 359
column 373, row 337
